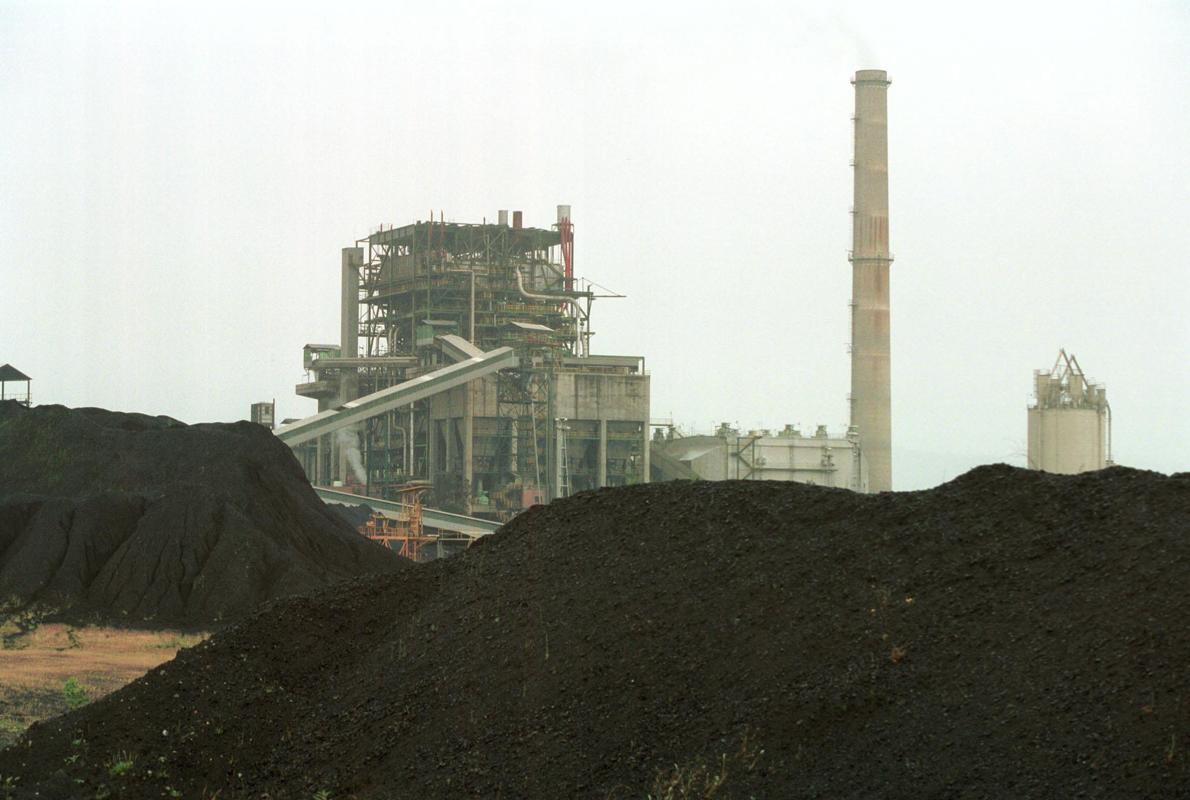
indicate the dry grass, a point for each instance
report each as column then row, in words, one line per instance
column 35, row 666
column 706, row 780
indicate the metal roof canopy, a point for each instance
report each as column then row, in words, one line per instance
column 10, row 373
column 632, row 362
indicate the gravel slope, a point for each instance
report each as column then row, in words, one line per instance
column 1009, row 634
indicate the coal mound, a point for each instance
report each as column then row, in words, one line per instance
column 130, row 518
column 354, row 515
column 1009, row 634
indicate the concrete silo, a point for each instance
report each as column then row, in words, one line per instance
column 1069, row 420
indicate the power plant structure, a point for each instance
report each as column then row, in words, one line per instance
column 764, row 455
column 464, row 362
column 464, row 365
column 861, row 459
column 1069, row 420
column 871, row 382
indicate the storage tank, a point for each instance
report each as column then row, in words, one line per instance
column 1069, row 420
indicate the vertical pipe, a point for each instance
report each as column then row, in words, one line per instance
column 644, row 475
column 469, row 442
column 558, row 434
column 602, row 453
column 871, row 389
column 352, row 260
column 316, row 476
column 514, row 461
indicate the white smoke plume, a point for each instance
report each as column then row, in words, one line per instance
column 348, row 439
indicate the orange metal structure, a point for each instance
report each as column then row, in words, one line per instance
column 404, row 533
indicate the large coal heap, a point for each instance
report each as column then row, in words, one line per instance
column 1010, row 634
column 131, row 518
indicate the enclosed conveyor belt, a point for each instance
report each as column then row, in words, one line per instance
column 432, row 517
column 394, row 397
column 457, row 347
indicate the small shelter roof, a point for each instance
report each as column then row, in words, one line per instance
column 10, row 373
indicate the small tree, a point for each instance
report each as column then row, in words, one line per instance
column 74, row 693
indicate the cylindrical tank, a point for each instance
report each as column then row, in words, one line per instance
column 1067, row 440
column 1077, row 389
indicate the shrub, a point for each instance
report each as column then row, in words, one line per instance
column 74, row 693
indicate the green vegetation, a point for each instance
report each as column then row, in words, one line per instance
column 119, row 764
column 74, row 693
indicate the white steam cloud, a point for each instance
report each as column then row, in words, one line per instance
column 348, row 439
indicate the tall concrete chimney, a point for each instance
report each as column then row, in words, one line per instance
column 871, row 388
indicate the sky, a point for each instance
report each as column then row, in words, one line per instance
column 177, row 180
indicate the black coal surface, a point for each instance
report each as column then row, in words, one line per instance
column 1009, row 634
column 136, row 519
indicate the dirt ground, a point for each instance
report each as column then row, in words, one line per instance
column 36, row 666
column 1008, row 634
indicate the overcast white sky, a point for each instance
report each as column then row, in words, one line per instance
column 176, row 182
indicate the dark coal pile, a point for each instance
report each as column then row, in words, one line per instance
column 132, row 518
column 355, row 516
column 1010, row 634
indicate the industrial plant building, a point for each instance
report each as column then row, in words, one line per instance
column 1069, row 420
column 759, row 455
column 464, row 362
column 464, row 366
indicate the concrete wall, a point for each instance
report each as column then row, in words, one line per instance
column 600, row 396
column 607, row 414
